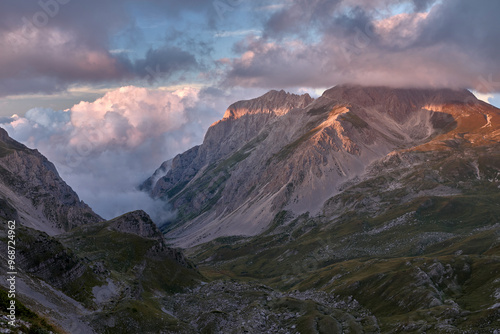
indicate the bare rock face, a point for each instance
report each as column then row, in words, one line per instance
column 283, row 151
column 273, row 103
column 241, row 123
column 160, row 172
column 32, row 184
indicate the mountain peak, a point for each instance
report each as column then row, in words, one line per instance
column 273, row 102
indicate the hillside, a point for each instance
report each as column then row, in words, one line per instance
column 385, row 197
column 75, row 272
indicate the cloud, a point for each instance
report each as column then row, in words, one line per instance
column 485, row 97
column 49, row 45
column 50, row 60
column 454, row 44
column 104, row 149
column 237, row 33
column 164, row 62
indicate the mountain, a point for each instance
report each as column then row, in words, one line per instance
column 383, row 199
column 289, row 152
column 31, row 184
column 242, row 122
column 77, row 273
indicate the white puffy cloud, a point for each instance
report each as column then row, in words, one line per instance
column 130, row 116
column 106, row 148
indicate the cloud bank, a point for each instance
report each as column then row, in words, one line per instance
column 49, row 45
column 106, row 148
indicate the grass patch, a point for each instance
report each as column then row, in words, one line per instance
column 38, row 324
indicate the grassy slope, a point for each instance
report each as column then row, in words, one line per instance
column 32, row 322
column 406, row 251
column 129, row 262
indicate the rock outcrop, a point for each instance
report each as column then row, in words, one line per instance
column 138, row 223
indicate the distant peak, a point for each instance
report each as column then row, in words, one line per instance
column 273, row 93
column 273, row 102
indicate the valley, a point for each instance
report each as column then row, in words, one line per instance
column 366, row 210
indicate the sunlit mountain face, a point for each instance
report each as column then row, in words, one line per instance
column 129, row 84
column 265, row 167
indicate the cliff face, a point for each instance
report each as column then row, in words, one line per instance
column 241, row 123
column 265, row 156
column 32, row 184
column 273, row 103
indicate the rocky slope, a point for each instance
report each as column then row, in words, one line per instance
column 242, row 122
column 75, row 272
column 102, row 277
column 31, row 184
column 293, row 153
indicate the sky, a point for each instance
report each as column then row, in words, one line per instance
column 110, row 89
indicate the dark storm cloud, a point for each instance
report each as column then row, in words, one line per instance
column 6, row 120
column 470, row 24
column 454, row 45
column 422, row 5
column 164, row 62
column 300, row 14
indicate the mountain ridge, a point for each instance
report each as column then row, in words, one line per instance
column 409, row 230
column 33, row 185
column 303, row 157
column 72, row 267
column 273, row 102
column 242, row 121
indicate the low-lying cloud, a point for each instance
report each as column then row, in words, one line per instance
column 106, row 148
